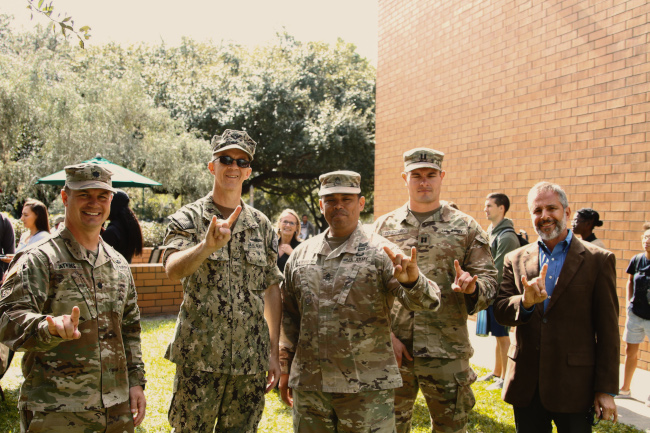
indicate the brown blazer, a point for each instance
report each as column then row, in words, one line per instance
column 571, row 350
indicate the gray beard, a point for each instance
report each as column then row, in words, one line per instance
column 560, row 226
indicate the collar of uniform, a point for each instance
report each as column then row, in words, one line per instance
column 443, row 214
column 351, row 246
column 79, row 252
column 245, row 220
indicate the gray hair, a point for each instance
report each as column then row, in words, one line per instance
column 547, row 187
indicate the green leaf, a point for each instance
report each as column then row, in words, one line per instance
column 81, row 44
column 40, row 3
column 66, row 19
column 84, row 29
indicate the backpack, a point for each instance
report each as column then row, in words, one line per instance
column 522, row 236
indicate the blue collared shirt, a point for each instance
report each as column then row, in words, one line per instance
column 555, row 261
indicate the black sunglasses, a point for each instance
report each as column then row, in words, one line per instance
column 227, row 160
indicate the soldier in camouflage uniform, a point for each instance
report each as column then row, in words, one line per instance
column 69, row 302
column 434, row 349
column 340, row 286
column 228, row 327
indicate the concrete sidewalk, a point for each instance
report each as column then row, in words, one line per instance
column 630, row 411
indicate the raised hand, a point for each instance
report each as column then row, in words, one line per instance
column 218, row 233
column 65, row 326
column 464, row 282
column 405, row 269
column 535, row 290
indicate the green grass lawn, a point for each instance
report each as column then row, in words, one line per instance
column 490, row 415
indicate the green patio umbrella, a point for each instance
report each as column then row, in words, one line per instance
column 122, row 177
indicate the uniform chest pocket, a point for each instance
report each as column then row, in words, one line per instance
column 72, row 290
column 255, row 254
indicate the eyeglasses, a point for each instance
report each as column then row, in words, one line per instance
column 290, row 223
column 227, row 160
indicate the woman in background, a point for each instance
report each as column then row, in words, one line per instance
column 584, row 222
column 37, row 222
column 123, row 232
column 288, row 226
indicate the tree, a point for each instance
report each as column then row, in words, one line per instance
column 310, row 106
column 65, row 23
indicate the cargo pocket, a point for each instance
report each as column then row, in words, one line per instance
column 465, row 400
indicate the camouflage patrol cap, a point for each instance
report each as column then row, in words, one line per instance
column 231, row 139
column 340, row 182
column 421, row 157
column 88, row 175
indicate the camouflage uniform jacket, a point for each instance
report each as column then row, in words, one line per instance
column 446, row 235
column 95, row 371
column 221, row 326
column 336, row 314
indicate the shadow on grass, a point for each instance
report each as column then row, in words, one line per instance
column 477, row 422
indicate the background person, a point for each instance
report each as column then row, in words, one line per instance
column 36, row 220
column 287, row 227
column 7, row 242
column 123, row 232
column 583, row 224
column 503, row 239
column 307, row 229
column 637, row 324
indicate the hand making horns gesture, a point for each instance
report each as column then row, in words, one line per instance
column 65, row 326
column 464, row 282
column 218, row 233
column 535, row 290
column 405, row 269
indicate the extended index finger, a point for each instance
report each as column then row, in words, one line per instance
column 457, row 267
column 74, row 317
column 414, row 255
column 391, row 254
column 233, row 216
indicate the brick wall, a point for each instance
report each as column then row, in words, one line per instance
column 515, row 92
column 157, row 294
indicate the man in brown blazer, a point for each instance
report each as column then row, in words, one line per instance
column 560, row 294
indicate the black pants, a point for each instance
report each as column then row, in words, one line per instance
column 536, row 419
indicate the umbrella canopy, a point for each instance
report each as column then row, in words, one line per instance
column 122, row 177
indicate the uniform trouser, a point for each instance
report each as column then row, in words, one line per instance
column 200, row 398
column 115, row 419
column 446, row 386
column 323, row 412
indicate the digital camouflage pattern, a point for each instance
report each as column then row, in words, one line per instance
column 336, row 308
column 221, row 326
column 95, row 371
column 446, row 386
column 231, row 139
column 322, row 412
column 236, row 402
column 445, row 236
column 115, row 419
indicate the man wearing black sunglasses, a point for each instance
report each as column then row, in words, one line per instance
column 227, row 332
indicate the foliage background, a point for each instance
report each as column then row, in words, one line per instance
column 153, row 109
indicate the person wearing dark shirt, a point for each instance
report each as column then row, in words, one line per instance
column 7, row 240
column 123, row 233
column 287, row 227
column 584, row 222
column 637, row 325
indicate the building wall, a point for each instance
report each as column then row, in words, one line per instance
column 515, row 92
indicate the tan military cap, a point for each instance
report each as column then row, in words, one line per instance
column 421, row 157
column 340, row 182
column 88, row 175
column 231, row 139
